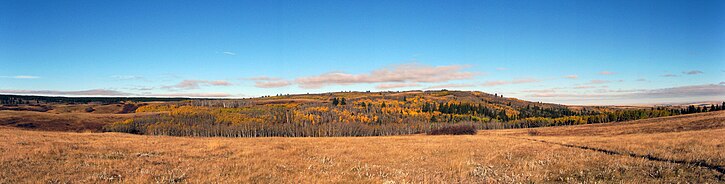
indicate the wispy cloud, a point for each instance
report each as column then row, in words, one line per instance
column 597, row 81
column 606, row 73
column 603, row 96
column 21, row 77
column 269, row 82
column 141, row 88
column 396, row 85
column 272, row 84
column 195, row 84
column 641, row 80
column 92, row 92
column 670, row 75
column 450, row 86
column 229, row 53
column 505, row 82
column 571, row 76
column 584, row 87
column 105, row 92
column 686, row 91
column 263, row 78
column 404, row 73
column 539, row 91
column 191, row 95
column 692, row 72
column 127, row 77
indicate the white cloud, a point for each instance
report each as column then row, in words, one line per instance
column 127, row 77
column 404, row 73
column 263, row 78
column 692, row 72
column 450, row 86
column 597, row 81
column 639, row 96
column 670, row 75
column 606, row 73
column 195, row 84
column 21, row 77
column 396, row 85
column 686, row 91
column 192, row 95
column 229, row 53
column 584, row 87
column 516, row 81
column 105, row 92
column 269, row 82
column 539, row 91
column 272, row 84
column 92, row 92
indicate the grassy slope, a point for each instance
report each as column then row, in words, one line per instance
column 491, row 156
column 72, row 121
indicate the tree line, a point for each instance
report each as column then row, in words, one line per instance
column 341, row 116
column 39, row 100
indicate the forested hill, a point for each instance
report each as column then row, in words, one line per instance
column 444, row 101
column 367, row 114
column 352, row 113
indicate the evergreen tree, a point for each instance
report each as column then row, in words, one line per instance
column 502, row 115
column 335, row 101
column 343, row 102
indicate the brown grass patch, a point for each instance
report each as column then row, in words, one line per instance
column 680, row 123
column 74, row 122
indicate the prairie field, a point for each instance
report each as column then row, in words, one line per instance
column 678, row 149
column 367, row 91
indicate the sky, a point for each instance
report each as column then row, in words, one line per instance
column 569, row 52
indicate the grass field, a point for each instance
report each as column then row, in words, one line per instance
column 67, row 122
column 687, row 148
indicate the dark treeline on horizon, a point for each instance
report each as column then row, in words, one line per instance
column 38, row 100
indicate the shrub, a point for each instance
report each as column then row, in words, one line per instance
column 454, row 130
column 533, row 132
column 128, row 108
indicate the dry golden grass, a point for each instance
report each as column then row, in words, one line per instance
column 81, row 108
column 502, row 156
column 49, row 121
column 688, row 122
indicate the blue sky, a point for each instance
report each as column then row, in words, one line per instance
column 571, row 52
